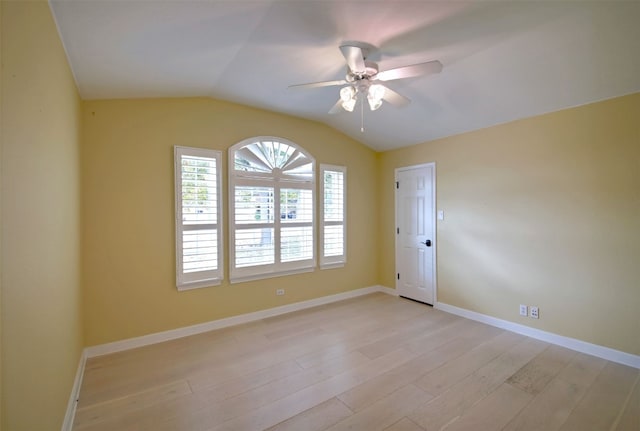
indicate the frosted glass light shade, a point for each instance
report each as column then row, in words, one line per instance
column 348, row 97
column 374, row 96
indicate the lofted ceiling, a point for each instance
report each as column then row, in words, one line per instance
column 502, row 60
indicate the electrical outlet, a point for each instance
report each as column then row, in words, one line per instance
column 533, row 312
column 280, row 292
column 523, row 310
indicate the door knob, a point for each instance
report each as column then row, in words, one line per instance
column 427, row 243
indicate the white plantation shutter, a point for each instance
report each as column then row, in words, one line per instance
column 333, row 238
column 254, row 221
column 198, row 224
column 296, row 224
column 271, row 209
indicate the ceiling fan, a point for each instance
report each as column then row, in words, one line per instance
column 362, row 81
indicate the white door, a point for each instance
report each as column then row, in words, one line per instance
column 415, row 228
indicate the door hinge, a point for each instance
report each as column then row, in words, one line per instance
column 398, row 230
column 397, row 184
column 398, row 276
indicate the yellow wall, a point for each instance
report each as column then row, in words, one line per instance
column 543, row 211
column 1, row 140
column 41, row 298
column 128, row 209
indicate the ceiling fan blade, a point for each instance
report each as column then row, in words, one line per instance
column 336, row 108
column 419, row 69
column 354, row 57
column 318, row 84
column 394, row 98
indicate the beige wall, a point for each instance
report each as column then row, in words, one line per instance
column 128, row 208
column 41, row 298
column 544, row 211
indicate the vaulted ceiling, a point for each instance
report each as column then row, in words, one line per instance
column 502, row 60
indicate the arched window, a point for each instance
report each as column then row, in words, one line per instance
column 271, row 209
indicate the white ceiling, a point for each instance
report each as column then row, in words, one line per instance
column 502, row 60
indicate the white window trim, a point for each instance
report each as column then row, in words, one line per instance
column 196, row 280
column 329, row 262
column 277, row 269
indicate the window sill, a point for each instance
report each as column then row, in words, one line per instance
column 245, row 278
column 199, row 284
column 332, row 265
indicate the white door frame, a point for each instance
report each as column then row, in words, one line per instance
column 434, row 225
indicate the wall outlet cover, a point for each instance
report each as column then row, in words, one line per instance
column 533, row 312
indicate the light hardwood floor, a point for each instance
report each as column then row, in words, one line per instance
column 371, row 363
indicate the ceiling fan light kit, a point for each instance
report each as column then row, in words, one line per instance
column 349, row 96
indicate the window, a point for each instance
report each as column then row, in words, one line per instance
column 198, row 217
column 271, row 209
column 333, row 239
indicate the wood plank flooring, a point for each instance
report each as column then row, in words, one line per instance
column 370, row 363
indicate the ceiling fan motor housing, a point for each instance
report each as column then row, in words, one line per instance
column 370, row 71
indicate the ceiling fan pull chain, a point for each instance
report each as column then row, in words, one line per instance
column 361, row 114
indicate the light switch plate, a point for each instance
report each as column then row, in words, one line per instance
column 523, row 310
column 440, row 215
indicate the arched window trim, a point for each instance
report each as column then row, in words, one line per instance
column 245, row 185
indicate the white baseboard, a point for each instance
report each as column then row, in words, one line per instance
column 387, row 290
column 159, row 337
column 560, row 340
column 70, row 414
